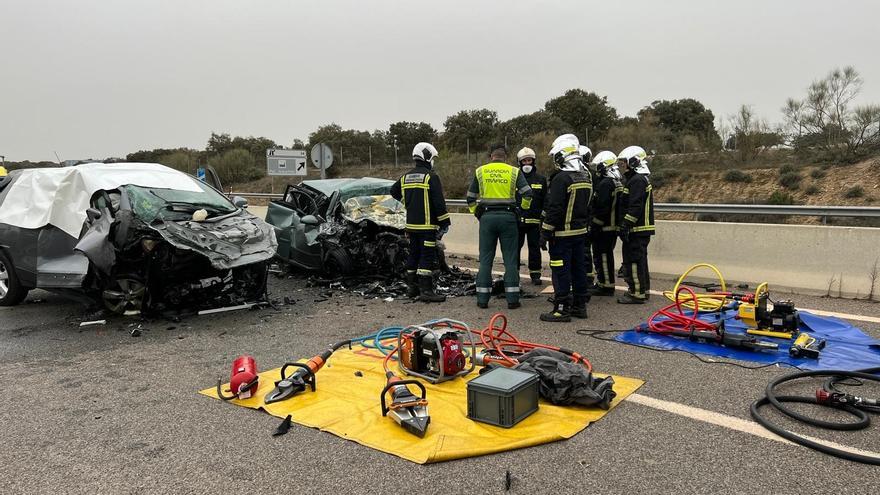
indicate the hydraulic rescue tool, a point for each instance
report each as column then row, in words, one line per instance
column 436, row 351
column 806, row 346
column 244, row 380
column 780, row 322
column 303, row 377
column 406, row 409
column 690, row 326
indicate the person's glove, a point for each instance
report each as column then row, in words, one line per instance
column 625, row 230
column 442, row 232
column 545, row 239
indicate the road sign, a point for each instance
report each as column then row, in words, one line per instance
column 322, row 158
column 286, row 162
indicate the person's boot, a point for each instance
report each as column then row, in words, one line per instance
column 426, row 288
column 601, row 291
column 536, row 279
column 561, row 311
column 412, row 286
column 628, row 298
column 579, row 307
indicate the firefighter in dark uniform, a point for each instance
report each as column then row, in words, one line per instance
column 604, row 230
column 586, row 156
column 427, row 221
column 497, row 185
column 564, row 229
column 530, row 219
column 636, row 224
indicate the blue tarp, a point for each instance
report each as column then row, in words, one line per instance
column 847, row 347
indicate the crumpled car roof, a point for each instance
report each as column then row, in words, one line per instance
column 350, row 188
column 60, row 196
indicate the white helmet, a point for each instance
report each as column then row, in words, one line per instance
column 425, row 152
column 636, row 158
column 525, row 153
column 566, row 153
column 603, row 161
column 586, row 153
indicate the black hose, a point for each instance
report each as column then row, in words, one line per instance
column 835, row 376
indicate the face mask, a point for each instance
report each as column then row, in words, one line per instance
column 527, row 169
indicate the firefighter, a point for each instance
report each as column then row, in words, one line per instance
column 564, row 229
column 603, row 236
column 530, row 219
column 636, row 224
column 497, row 185
column 586, row 158
column 427, row 221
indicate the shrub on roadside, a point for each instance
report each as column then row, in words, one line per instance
column 854, row 192
column 818, row 173
column 780, row 198
column 812, row 189
column 790, row 180
column 735, row 175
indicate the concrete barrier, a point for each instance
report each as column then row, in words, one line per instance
column 801, row 258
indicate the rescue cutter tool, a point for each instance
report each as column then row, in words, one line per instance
column 303, row 377
column 406, row 409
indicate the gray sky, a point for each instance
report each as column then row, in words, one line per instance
column 99, row 78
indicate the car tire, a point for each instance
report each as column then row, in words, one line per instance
column 11, row 290
column 338, row 263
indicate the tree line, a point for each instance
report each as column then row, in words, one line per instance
column 825, row 123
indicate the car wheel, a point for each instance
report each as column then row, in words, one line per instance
column 338, row 263
column 125, row 296
column 11, row 291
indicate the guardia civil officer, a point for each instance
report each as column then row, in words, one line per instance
column 637, row 223
column 530, row 219
column 564, row 230
column 427, row 220
column 608, row 187
column 497, row 185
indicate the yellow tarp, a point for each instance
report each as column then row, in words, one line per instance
column 348, row 406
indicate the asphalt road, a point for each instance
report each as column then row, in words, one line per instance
column 96, row 410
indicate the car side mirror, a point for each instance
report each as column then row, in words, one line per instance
column 310, row 220
column 93, row 215
column 239, row 202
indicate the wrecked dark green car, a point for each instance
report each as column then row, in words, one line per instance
column 340, row 226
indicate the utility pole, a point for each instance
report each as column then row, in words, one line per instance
column 370, row 154
column 396, row 163
column 586, row 136
column 467, row 154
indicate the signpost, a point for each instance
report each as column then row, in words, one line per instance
column 286, row 162
column 322, row 158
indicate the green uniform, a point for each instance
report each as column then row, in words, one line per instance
column 496, row 185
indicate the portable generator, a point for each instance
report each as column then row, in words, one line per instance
column 435, row 352
column 781, row 322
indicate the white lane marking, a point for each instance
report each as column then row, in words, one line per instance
column 732, row 423
column 817, row 312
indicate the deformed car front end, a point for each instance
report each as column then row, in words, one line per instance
column 340, row 226
column 153, row 239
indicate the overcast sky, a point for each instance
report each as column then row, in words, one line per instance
column 101, row 78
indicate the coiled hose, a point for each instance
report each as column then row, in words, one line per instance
column 859, row 411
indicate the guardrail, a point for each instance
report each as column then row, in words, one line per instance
column 694, row 208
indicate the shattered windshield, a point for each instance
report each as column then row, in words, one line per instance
column 150, row 204
column 381, row 209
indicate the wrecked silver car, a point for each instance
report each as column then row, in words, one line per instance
column 340, row 226
column 134, row 236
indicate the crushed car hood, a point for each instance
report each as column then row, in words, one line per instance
column 380, row 209
column 237, row 240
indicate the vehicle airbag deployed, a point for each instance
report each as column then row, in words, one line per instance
column 60, row 196
column 347, row 404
